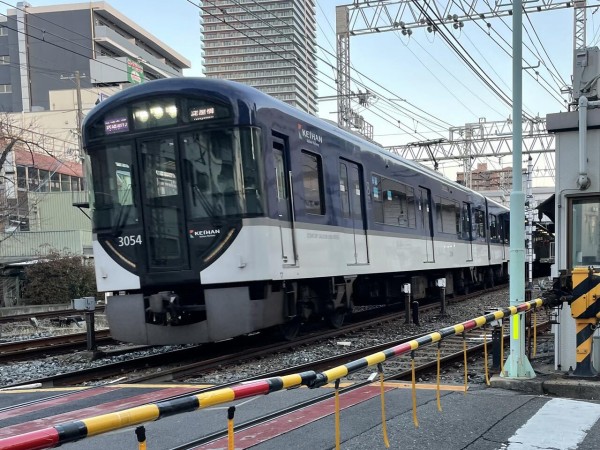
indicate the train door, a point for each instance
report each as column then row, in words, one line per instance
column 164, row 222
column 285, row 202
column 352, row 194
column 467, row 229
column 427, row 223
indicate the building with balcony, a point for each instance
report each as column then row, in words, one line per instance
column 41, row 177
column 482, row 179
column 267, row 44
column 41, row 48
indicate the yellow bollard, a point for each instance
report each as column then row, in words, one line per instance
column 465, row 354
column 534, row 332
column 383, row 422
column 502, row 349
column 230, row 431
column 337, row 414
column 414, row 390
column 439, row 402
column 140, row 433
column 485, row 358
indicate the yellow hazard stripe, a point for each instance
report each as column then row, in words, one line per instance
column 375, row 358
column 336, row 373
column 291, row 380
column 217, row 397
column 120, row 419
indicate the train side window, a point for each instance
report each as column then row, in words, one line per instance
column 493, row 227
column 377, row 196
column 393, row 203
column 466, row 222
column 344, row 190
column 280, row 176
column 313, row 183
column 448, row 216
column 480, row 223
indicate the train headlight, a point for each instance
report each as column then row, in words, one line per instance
column 142, row 115
column 171, row 111
column 157, row 112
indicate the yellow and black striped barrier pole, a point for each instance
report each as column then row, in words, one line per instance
column 585, row 309
column 79, row 429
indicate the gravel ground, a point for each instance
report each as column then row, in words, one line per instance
column 455, row 313
column 19, row 372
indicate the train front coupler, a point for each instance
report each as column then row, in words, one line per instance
column 166, row 308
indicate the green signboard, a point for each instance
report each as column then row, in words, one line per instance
column 135, row 72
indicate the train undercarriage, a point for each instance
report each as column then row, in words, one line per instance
column 191, row 314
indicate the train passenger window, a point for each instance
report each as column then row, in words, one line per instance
column 313, row 183
column 466, row 222
column 584, row 232
column 344, row 190
column 480, row 223
column 280, row 177
column 393, row 202
column 158, row 163
column 448, row 216
column 493, row 227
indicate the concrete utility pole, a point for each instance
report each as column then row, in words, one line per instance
column 79, row 111
column 77, row 77
column 517, row 365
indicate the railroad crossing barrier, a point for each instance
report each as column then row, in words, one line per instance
column 92, row 426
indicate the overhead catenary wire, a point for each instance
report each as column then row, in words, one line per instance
column 356, row 81
column 457, row 47
column 358, row 72
column 509, row 53
column 277, row 44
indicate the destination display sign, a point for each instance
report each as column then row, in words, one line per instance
column 116, row 125
column 203, row 113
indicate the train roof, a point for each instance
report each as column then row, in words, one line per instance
column 255, row 100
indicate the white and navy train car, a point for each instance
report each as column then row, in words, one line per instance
column 218, row 211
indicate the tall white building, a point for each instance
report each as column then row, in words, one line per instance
column 267, row 44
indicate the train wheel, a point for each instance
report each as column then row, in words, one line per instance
column 336, row 318
column 290, row 329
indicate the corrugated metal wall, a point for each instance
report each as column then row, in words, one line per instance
column 32, row 244
column 55, row 211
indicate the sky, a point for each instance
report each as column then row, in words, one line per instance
column 421, row 69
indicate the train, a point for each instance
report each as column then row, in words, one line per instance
column 219, row 211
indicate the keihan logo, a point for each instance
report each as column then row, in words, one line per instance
column 203, row 233
column 309, row 136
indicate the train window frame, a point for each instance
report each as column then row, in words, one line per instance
column 441, row 204
column 479, row 222
column 308, row 185
column 386, row 188
column 494, row 231
column 573, row 259
column 344, row 189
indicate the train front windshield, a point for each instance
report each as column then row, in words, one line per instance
column 216, row 173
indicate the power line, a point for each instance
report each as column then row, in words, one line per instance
column 359, row 73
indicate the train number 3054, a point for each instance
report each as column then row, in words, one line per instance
column 132, row 239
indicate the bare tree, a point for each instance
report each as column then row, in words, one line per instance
column 15, row 204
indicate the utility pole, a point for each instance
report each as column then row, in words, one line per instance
column 79, row 111
column 77, row 78
column 517, row 365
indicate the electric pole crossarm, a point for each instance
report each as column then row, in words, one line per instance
column 384, row 15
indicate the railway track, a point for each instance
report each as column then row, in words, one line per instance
column 394, row 371
column 184, row 362
column 32, row 348
column 45, row 315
